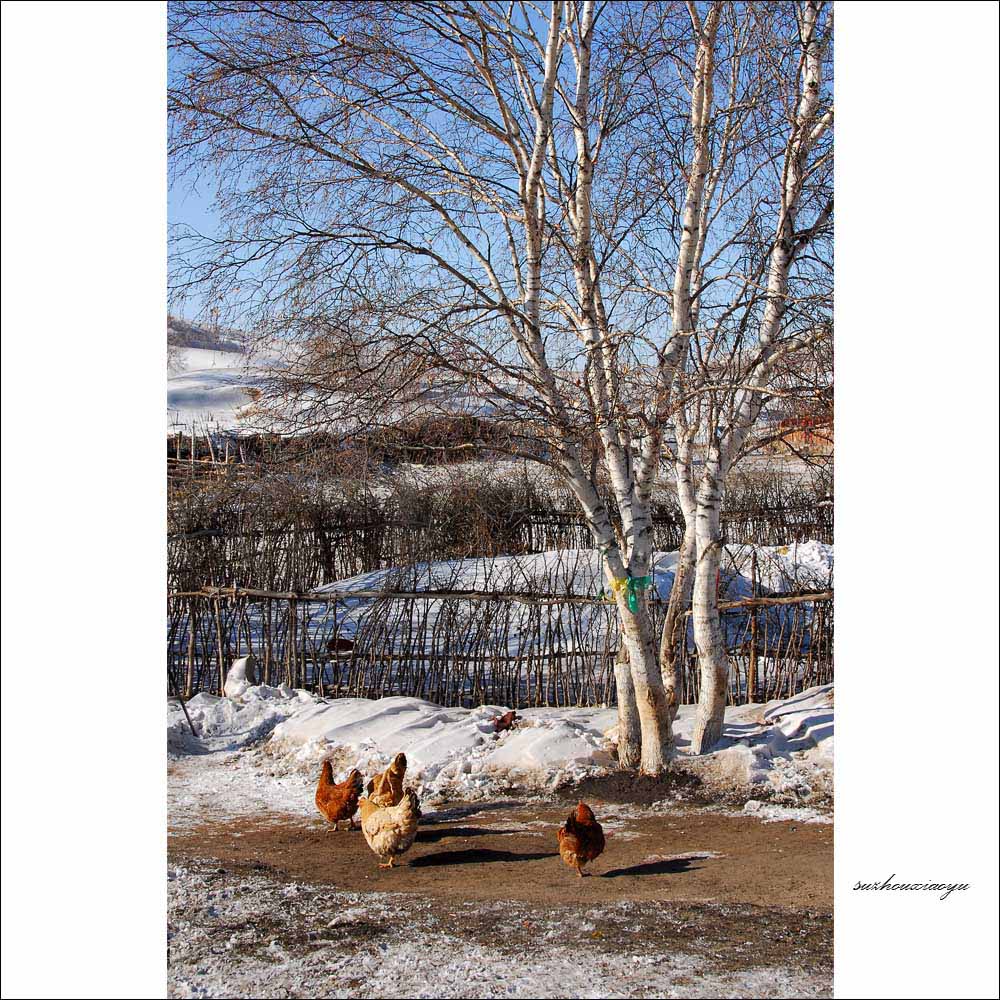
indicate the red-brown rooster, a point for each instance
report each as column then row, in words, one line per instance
column 581, row 838
column 338, row 801
column 504, row 722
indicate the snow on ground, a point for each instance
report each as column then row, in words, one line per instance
column 452, row 752
column 248, row 934
column 208, row 389
column 806, row 565
column 768, row 812
column 801, row 565
column 779, row 753
column 232, row 723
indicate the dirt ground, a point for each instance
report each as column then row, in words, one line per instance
column 508, row 851
column 685, row 903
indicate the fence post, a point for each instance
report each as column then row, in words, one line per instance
column 752, row 665
column 218, row 645
column 192, row 626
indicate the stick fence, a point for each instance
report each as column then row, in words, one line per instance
column 468, row 647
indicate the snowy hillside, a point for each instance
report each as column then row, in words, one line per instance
column 182, row 333
column 207, row 388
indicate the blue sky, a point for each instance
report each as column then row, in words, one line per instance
column 194, row 208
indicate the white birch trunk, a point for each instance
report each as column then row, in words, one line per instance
column 629, row 729
column 640, row 695
column 650, row 697
column 675, row 621
column 684, row 319
column 675, row 624
column 709, row 638
column 713, row 659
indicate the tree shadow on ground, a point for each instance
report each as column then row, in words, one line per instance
column 475, row 856
column 666, row 866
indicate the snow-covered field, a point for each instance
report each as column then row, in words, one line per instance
column 208, row 389
column 806, row 565
column 260, row 751
column 499, row 638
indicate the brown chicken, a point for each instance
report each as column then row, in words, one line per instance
column 504, row 722
column 340, row 645
column 581, row 838
column 390, row 830
column 386, row 788
column 338, row 801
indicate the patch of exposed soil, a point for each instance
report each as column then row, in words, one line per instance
column 507, row 851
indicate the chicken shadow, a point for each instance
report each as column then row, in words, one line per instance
column 476, row 856
column 461, row 812
column 667, row 866
column 432, row 836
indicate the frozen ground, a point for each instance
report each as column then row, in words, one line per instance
column 251, row 934
column 261, row 750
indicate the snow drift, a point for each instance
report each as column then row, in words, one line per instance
column 780, row 752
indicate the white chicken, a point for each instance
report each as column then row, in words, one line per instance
column 390, row 830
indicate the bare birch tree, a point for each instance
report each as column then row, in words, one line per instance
column 525, row 208
column 755, row 219
column 432, row 197
column 742, row 355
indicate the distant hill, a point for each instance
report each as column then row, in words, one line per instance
column 181, row 333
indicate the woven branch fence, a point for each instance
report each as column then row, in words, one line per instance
column 301, row 557
column 470, row 648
